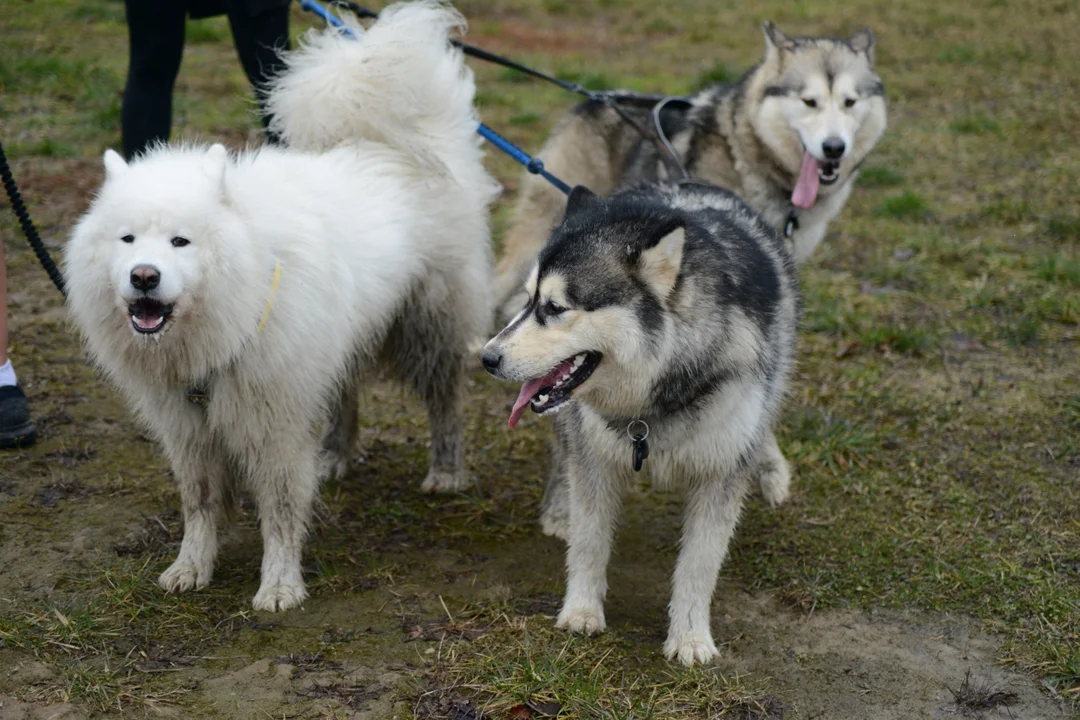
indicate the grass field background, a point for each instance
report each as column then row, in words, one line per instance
column 934, row 423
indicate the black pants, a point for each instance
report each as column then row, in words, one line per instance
column 156, row 41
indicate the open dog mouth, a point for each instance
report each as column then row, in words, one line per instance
column 149, row 316
column 828, row 172
column 554, row 389
column 812, row 175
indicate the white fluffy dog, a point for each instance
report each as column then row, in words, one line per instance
column 236, row 301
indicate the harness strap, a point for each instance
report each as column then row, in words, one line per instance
column 270, row 299
column 197, row 394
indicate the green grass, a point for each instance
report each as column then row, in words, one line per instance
column 1061, row 226
column 718, row 73
column 933, row 423
column 207, row 31
column 975, row 125
column 879, row 176
column 907, row 205
column 1061, row 269
column 592, row 679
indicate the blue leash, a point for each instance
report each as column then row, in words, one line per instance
column 532, row 164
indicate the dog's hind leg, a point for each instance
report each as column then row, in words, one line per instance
column 426, row 350
column 283, row 479
column 340, row 438
column 712, row 510
column 443, row 392
column 774, row 473
column 205, row 490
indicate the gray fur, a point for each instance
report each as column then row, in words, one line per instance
column 730, row 135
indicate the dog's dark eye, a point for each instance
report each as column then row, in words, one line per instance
column 180, row 241
column 553, row 308
column 850, row 102
column 810, row 102
column 128, row 238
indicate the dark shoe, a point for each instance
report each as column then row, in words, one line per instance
column 16, row 430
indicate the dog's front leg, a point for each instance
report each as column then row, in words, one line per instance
column 595, row 500
column 284, row 481
column 712, row 510
column 202, row 475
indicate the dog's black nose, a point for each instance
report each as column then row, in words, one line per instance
column 145, row 277
column 491, row 361
column 833, row 147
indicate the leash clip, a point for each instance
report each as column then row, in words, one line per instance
column 791, row 225
column 197, row 396
column 640, row 443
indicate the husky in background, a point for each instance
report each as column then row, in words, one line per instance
column 788, row 139
column 236, row 301
column 662, row 322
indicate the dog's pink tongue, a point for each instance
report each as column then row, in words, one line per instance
column 805, row 193
column 530, row 388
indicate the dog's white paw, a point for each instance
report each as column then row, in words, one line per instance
column 555, row 524
column 581, row 619
column 185, row 574
column 440, row 481
column 775, row 484
column 279, row 596
column 690, row 647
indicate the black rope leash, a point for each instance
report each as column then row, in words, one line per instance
column 27, row 225
column 481, row 54
column 613, row 99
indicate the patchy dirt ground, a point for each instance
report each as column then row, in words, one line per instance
column 927, row 565
column 367, row 646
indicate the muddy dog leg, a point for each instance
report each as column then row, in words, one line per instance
column 712, row 510
column 774, row 473
column 283, row 479
column 202, row 474
column 427, row 352
column 340, row 439
column 596, row 494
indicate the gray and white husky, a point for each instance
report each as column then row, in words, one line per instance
column 662, row 322
column 787, row 138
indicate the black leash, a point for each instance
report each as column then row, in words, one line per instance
column 27, row 225
column 611, row 98
column 481, row 54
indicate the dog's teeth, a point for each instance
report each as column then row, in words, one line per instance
column 542, row 399
column 577, row 362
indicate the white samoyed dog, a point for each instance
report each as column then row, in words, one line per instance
column 237, row 300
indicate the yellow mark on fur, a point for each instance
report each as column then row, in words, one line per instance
column 270, row 300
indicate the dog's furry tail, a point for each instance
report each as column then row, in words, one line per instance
column 400, row 82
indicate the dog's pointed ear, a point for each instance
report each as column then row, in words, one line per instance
column 580, row 198
column 216, row 164
column 863, row 42
column 115, row 165
column 660, row 264
column 775, row 41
